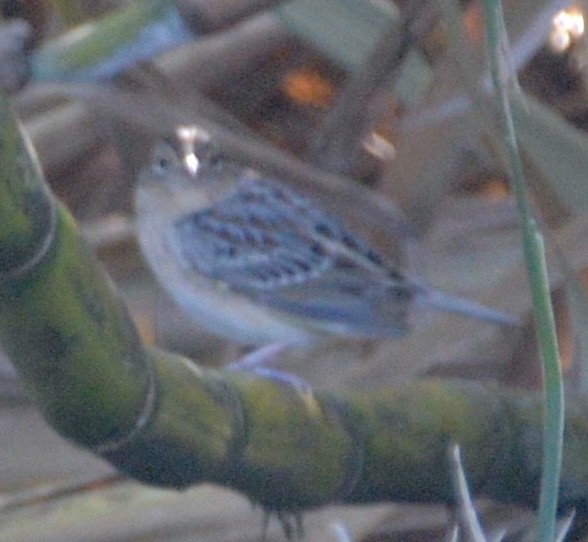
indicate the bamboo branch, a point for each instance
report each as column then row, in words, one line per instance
column 78, row 352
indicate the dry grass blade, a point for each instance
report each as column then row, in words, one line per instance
column 467, row 515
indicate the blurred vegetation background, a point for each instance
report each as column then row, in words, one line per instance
column 327, row 93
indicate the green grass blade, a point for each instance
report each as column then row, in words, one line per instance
column 504, row 82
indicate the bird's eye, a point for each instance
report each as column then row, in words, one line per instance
column 163, row 159
column 162, row 164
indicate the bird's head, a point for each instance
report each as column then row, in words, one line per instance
column 186, row 171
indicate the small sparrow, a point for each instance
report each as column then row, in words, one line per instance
column 251, row 259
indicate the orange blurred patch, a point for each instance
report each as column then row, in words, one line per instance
column 473, row 22
column 307, row 87
column 494, row 189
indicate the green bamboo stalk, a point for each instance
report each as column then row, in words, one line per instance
column 534, row 252
column 161, row 419
column 80, row 355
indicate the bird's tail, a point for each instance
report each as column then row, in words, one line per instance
column 446, row 302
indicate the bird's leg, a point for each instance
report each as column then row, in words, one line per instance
column 259, row 362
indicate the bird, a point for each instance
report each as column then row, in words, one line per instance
column 251, row 258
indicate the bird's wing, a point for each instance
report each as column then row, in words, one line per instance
column 278, row 248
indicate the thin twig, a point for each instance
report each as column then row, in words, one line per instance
column 53, row 492
column 204, row 16
column 337, row 142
